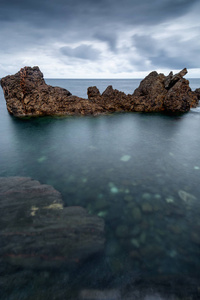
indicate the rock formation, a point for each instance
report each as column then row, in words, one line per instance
column 37, row 231
column 27, row 94
column 165, row 93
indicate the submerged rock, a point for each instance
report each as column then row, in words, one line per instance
column 37, row 231
column 125, row 158
column 27, row 94
column 187, row 197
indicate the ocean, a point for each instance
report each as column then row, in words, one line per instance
column 138, row 171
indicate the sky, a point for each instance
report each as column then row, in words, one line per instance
column 100, row 38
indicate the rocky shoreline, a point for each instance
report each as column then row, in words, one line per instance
column 27, row 94
column 37, row 231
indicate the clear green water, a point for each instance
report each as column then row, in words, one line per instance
column 140, row 172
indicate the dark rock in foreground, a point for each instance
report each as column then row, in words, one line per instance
column 27, row 94
column 37, row 231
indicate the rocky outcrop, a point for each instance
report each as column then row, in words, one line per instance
column 36, row 231
column 165, row 93
column 27, row 94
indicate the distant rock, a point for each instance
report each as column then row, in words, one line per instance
column 27, row 94
column 36, row 231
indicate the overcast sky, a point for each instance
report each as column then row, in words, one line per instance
column 100, row 38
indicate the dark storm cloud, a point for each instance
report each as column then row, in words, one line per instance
column 171, row 52
column 59, row 29
column 145, row 44
column 92, row 13
column 109, row 37
column 82, row 51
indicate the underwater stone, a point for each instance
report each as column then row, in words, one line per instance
column 122, row 231
column 195, row 238
column 142, row 237
column 146, row 207
column 102, row 214
column 197, row 168
column 101, row 204
column 125, row 158
column 37, row 231
column 169, row 200
column 171, row 154
column 135, row 243
column 136, row 213
column 84, row 180
column 146, row 196
column 157, row 196
column 136, row 230
column 100, row 196
column 175, row 229
column 186, row 197
column 41, row 159
column 128, row 198
column 172, row 253
column 114, row 190
column 112, row 248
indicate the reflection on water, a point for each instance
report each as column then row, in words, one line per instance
column 140, row 172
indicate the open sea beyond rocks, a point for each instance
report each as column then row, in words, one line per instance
column 138, row 171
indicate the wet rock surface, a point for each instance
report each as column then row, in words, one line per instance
column 27, row 94
column 36, row 231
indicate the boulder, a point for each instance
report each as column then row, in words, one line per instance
column 171, row 93
column 37, row 231
column 27, row 94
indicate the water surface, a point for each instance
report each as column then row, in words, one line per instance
column 140, row 172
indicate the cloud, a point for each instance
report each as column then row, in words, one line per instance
column 88, row 12
column 108, row 36
column 174, row 52
column 82, row 51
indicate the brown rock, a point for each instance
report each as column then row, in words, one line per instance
column 165, row 93
column 93, row 92
column 197, row 91
column 150, row 94
column 172, row 79
column 27, row 94
column 37, row 231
